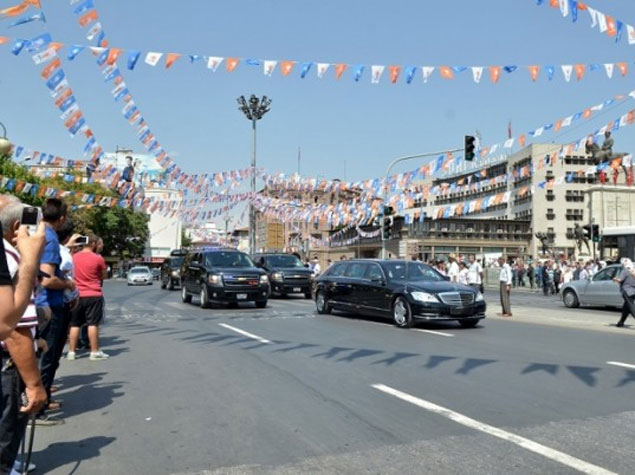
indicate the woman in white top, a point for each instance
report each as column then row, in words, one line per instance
column 463, row 273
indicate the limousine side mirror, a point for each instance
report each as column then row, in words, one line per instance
column 378, row 280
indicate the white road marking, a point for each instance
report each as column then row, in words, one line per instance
column 623, row 365
column 530, row 445
column 244, row 333
column 432, row 331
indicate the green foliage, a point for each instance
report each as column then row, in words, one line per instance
column 186, row 241
column 124, row 231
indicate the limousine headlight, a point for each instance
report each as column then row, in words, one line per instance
column 215, row 279
column 424, row 297
column 264, row 279
column 277, row 276
column 479, row 297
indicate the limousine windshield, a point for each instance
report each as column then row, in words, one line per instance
column 411, row 271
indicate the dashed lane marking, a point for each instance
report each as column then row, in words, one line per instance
column 244, row 333
column 623, row 365
column 547, row 452
column 434, row 332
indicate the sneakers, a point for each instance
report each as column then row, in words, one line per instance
column 70, row 355
column 48, row 421
column 100, row 355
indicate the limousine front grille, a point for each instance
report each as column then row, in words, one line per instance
column 457, row 298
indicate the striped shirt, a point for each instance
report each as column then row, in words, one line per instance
column 29, row 318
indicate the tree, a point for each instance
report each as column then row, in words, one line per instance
column 186, row 241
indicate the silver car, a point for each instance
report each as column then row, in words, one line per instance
column 598, row 291
column 140, row 276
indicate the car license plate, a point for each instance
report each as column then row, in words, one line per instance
column 297, row 289
column 241, row 296
column 458, row 311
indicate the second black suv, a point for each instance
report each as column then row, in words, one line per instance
column 286, row 273
column 171, row 272
column 225, row 276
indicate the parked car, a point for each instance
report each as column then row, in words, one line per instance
column 404, row 291
column 287, row 274
column 598, row 291
column 140, row 275
column 225, row 276
column 171, row 272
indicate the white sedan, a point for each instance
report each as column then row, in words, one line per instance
column 140, row 276
column 598, row 291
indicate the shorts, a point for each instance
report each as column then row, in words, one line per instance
column 89, row 311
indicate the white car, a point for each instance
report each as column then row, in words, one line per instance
column 140, row 276
column 598, row 291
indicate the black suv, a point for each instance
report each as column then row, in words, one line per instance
column 286, row 273
column 223, row 275
column 171, row 272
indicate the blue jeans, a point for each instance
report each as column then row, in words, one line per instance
column 55, row 333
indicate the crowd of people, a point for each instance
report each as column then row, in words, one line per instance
column 50, row 287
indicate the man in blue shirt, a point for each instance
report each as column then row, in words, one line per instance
column 49, row 301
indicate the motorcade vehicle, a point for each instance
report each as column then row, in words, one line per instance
column 140, row 275
column 171, row 272
column 287, row 274
column 223, row 276
column 404, row 291
column 597, row 291
column 156, row 273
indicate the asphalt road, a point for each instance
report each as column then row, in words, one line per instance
column 283, row 390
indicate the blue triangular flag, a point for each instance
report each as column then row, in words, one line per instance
column 74, row 51
column 305, row 69
column 133, row 57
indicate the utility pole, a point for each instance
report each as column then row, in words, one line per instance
column 299, row 159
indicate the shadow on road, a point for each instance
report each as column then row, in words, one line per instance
column 60, row 454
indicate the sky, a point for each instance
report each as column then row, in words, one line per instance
column 346, row 129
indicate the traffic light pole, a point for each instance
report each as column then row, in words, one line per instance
column 384, row 191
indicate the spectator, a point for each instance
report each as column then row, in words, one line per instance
column 531, row 274
column 505, row 279
column 90, row 272
column 584, row 273
column 315, row 266
column 49, row 301
column 475, row 274
column 15, row 294
column 453, row 269
column 463, row 273
column 440, row 267
column 20, row 372
column 546, row 278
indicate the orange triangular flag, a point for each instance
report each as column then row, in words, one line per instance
column 558, row 125
column 3, row 40
column 534, row 70
column 231, row 64
column 554, row 3
column 521, row 140
column 494, row 73
column 286, row 67
column 55, row 45
column 446, row 72
column 623, row 67
column 49, row 68
column 113, row 56
column 170, row 59
column 394, row 73
column 339, row 70
column 587, row 113
column 579, row 71
column 35, row 3
column 582, row 6
column 16, row 10
column 611, row 29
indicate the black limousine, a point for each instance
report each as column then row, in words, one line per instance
column 405, row 291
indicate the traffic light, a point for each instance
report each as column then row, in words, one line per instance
column 470, row 148
column 596, row 233
column 387, row 228
column 388, row 210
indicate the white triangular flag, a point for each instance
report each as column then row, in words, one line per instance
column 97, row 50
column 598, row 107
column 627, row 161
column 477, row 73
column 594, row 16
column 376, row 72
column 564, row 7
column 427, row 72
column 602, row 130
column 566, row 70
column 213, row 62
column 493, row 149
column 509, row 143
column 631, row 34
column 538, row 132
column 566, row 122
column 93, row 32
column 153, row 58
column 632, row 94
column 609, row 69
column 269, row 66
column 623, row 120
column 322, row 68
column 602, row 22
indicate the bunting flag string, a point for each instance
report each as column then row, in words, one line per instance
column 607, row 24
column 110, row 56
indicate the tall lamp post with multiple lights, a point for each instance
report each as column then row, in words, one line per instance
column 254, row 110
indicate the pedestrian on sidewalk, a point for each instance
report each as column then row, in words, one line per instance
column 627, row 287
column 505, row 279
column 475, row 274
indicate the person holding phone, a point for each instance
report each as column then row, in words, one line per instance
column 49, row 300
column 20, row 374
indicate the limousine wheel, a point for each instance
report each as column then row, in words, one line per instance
column 185, row 297
column 571, row 299
column 401, row 313
column 322, row 304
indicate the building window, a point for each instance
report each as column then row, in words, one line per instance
column 550, row 195
column 550, row 214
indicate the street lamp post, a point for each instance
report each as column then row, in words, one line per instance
column 254, row 110
column 384, row 186
column 5, row 145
